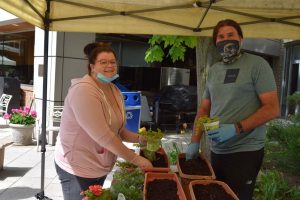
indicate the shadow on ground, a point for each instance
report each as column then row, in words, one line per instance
column 16, row 193
column 13, row 172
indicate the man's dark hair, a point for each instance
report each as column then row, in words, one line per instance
column 226, row 22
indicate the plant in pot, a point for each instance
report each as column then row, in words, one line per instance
column 22, row 123
column 96, row 192
column 128, row 183
column 294, row 99
column 153, row 151
column 126, row 165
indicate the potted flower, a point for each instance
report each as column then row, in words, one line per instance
column 96, row 192
column 21, row 122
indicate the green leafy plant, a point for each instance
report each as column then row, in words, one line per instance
column 294, row 98
column 153, row 138
column 125, row 165
column 271, row 185
column 176, row 46
column 96, row 192
column 130, row 184
column 21, row 116
column 173, row 154
column 205, row 120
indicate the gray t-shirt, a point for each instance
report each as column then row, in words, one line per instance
column 233, row 90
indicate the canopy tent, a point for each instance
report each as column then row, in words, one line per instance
column 259, row 19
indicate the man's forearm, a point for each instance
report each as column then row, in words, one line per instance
column 260, row 117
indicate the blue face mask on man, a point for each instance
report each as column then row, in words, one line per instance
column 105, row 79
column 229, row 50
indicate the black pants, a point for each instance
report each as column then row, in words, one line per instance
column 72, row 185
column 238, row 170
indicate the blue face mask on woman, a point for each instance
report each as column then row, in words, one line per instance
column 105, row 79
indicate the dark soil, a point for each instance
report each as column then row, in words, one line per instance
column 211, row 192
column 194, row 167
column 162, row 189
column 160, row 160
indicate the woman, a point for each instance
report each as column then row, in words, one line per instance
column 92, row 126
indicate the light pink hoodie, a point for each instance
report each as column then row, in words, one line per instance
column 88, row 125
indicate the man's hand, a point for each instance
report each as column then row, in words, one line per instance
column 192, row 151
column 225, row 132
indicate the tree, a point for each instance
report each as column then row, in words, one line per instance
column 176, row 46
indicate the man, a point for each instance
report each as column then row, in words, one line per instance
column 241, row 91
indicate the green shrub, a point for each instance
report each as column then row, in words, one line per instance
column 272, row 186
column 130, row 184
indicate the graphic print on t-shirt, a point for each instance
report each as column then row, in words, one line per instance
column 231, row 75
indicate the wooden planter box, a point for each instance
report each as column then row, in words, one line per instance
column 206, row 182
column 187, row 178
column 150, row 176
column 160, row 151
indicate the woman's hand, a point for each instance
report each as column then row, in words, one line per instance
column 141, row 162
column 142, row 140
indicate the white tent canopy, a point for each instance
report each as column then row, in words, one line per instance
column 259, row 18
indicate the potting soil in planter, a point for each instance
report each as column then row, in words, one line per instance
column 159, row 161
column 195, row 166
column 162, row 189
column 211, row 192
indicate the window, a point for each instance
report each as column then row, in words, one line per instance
column 16, row 56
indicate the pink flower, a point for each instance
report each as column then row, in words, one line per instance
column 27, row 109
column 15, row 110
column 33, row 113
column 6, row 116
column 23, row 114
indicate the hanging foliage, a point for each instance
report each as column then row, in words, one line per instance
column 176, row 46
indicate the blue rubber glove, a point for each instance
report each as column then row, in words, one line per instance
column 225, row 132
column 192, row 151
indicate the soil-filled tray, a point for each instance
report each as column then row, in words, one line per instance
column 162, row 186
column 198, row 168
column 195, row 169
column 161, row 162
column 211, row 190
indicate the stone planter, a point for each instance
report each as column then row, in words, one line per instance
column 22, row 134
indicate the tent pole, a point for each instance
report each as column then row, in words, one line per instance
column 41, row 195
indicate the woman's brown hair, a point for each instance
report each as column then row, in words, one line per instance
column 92, row 50
column 226, row 22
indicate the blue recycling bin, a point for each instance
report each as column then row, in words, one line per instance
column 132, row 102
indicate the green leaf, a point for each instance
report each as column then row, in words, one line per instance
column 177, row 53
column 190, row 41
column 154, row 53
